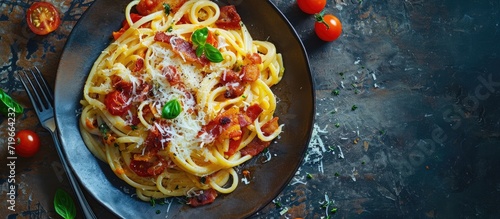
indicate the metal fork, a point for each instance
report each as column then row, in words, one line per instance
column 42, row 100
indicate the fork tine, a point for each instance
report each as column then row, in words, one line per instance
column 44, row 86
column 28, row 86
column 39, row 95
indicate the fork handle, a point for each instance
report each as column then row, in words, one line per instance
column 87, row 210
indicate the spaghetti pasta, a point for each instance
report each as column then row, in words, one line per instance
column 225, row 108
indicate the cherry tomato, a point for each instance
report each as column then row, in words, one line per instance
column 311, row 6
column 327, row 27
column 42, row 18
column 117, row 103
column 27, row 143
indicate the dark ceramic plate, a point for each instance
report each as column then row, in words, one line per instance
column 296, row 110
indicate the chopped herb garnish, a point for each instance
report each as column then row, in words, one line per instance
column 133, row 127
column 354, row 107
column 337, row 125
column 158, row 211
column 203, row 179
column 337, row 174
column 278, row 204
column 103, row 128
column 167, row 8
column 309, row 176
column 333, row 211
column 336, row 92
column 152, row 202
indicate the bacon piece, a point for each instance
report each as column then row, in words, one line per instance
column 250, row 72
column 205, row 197
column 225, row 125
column 233, row 146
column 139, row 65
column 229, row 18
column 254, row 147
column 211, row 39
column 144, row 89
column 119, row 84
column 181, row 47
column 254, row 111
column 232, row 81
column 153, row 140
column 254, row 58
column 171, row 75
column 250, row 115
column 146, row 7
column 270, row 127
column 163, row 37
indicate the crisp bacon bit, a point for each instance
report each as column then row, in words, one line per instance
column 234, row 90
column 139, row 64
column 254, row 58
column 185, row 50
column 181, row 47
column 162, row 37
column 270, row 126
column 224, row 120
column 146, row 7
column 144, row 89
column 246, row 173
column 244, row 120
column 205, row 197
column 254, row 147
column 229, row 18
column 250, row 72
column 153, row 140
column 211, row 39
column 231, row 80
column 119, row 84
column 90, row 123
column 230, row 76
column 233, row 146
column 171, row 75
column 254, row 111
column 219, row 131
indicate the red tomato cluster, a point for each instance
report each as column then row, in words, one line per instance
column 327, row 27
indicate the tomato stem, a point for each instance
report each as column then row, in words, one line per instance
column 319, row 18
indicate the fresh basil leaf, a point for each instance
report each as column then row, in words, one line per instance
column 213, row 54
column 199, row 50
column 171, row 110
column 9, row 105
column 64, row 205
column 199, row 37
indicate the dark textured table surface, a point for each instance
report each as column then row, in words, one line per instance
column 423, row 141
